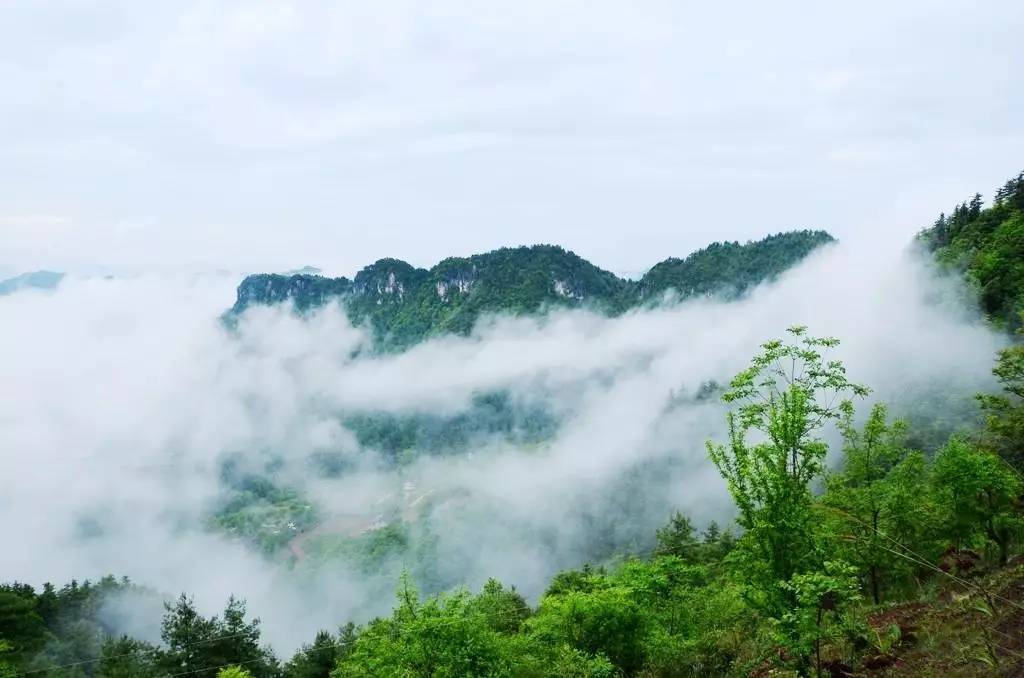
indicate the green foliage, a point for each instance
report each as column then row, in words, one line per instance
column 200, row 645
column 126, row 657
column 6, row 665
column 822, row 598
column 442, row 636
column 490, row 416
column 21, row 626
column 678, row 538
column 1004, row 423
column 730, row 268
column 503, row 610
column 403, row 305
column 233, row 672
column 263, row 514
column 786, row 396
column 979, row 496
column 663, row 616
column 320, row 658
column 58, row 626
column 366, row 552
column 457, row 634
column 606, row 620
column 869, row 497
column 988, row 246
column 790, row 591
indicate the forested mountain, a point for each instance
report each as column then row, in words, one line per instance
column 404, row 304
column 987, row 244
column 730, row 268
column 894, row 561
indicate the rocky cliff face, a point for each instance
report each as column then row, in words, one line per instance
column 303, row 291
column 404, row 304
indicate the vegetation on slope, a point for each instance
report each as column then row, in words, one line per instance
column 729, row 268
column 987, row 244
column 404, row 304
column 896, row 562
column 899, row 554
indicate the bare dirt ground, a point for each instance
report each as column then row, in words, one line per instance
column 348, row 525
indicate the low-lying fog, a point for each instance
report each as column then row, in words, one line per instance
column 121, row 398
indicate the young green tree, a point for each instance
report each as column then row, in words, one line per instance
column 821, row 599
column 1005, row 421
column 783, row 400
column 233, row 672
column 503, row 610
column 861, row 495
column 320, row 658
column 6, row 667
column 126, row 657
column 678, row 538
column 199, row 645
column 979, row 494
column 441, row 636
column 913, row 516
column 21, row 627
column 604, row 621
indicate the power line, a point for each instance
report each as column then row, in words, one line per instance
column 86, row 662
column 921, row 560
column 509, row 615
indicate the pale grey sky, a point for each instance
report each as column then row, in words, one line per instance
column 269, row 135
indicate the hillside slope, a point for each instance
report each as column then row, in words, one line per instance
column 987, row 245
column 404, row 304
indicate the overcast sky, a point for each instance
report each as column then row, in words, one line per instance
column 269, row 135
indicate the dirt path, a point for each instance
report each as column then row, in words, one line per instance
column 348, row 525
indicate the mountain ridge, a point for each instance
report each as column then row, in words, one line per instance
column 405, row 304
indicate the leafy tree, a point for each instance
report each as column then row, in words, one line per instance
column 862, row 495
column 441, row 636
column 233, row 672
column 821, row 597
column 503, row 610
column 913, row 517
column 21, row 626
column 716, row 543
column 6, row 666
column 678, row 538
column 582, row 579
column 199, row 644
column 320, row 658
column 1005, row 421
column 785, row 397
column 979, row 495
column 987, row 245
column 569, row 662
column 126, row 657
column 603, row 621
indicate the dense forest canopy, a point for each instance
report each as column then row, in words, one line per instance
column 404, row 304
column 987, row 244
column 893, row 560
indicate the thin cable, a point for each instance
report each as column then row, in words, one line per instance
column 123, row 654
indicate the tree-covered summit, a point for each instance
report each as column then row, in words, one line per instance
column 987, row 244
column 731, row 268
column 404, row 304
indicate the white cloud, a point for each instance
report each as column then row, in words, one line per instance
column 122, row 395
